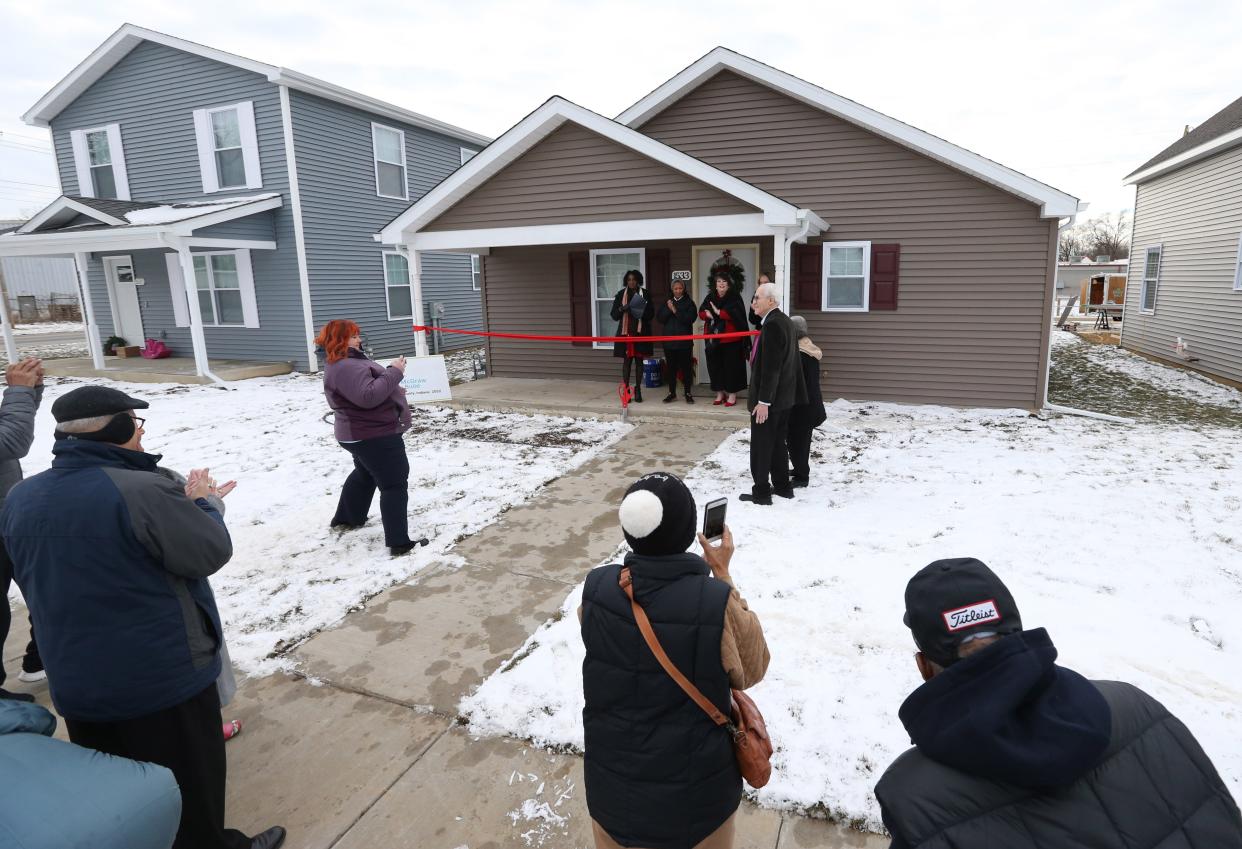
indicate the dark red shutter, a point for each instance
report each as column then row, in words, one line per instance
column 808, row 277
column 885, row 260
column 659, row 287
column 580, row 301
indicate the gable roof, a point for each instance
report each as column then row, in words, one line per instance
column 1053, row 202
column 1216, row 133
column 129, row 36
column 538, row 125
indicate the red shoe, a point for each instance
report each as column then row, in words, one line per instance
column 730, row 403
column 232, row 729
column 717, row 402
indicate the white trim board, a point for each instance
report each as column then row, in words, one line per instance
column 120, row 43
column 1202, row 151
column 537, row 126
column 299, row 234
column 66, row 209
column 1053, row 202
column 630, row 230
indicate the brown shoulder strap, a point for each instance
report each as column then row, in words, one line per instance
column 644, row 625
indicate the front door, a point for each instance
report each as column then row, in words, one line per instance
column 703, row 258
column 123, row 286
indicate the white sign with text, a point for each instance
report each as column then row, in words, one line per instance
column 426, row 379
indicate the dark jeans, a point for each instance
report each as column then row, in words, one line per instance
column 768, row 455
column 31, row 662
column 379, row 463
column 678, row 361
column 799, row 442
column 186, row 739
column 628, row 366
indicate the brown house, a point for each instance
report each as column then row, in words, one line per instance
column 925, row 272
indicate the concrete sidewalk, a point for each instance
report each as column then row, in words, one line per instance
column 366, row 749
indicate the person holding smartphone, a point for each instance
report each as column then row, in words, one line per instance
column 679, row 769
column 370, row 416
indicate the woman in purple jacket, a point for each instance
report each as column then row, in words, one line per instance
column 371, row 414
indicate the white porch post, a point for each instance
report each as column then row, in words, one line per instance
column 780, row 261
column 10, row 346
column 416, row 278
column 197, row 337
column 88, row 311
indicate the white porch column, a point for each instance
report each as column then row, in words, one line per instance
column 416, row 278
column 199, row 340
column 81, row 260
column 780, row 260
column 10, row 346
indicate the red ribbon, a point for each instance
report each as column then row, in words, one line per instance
column 736, row 334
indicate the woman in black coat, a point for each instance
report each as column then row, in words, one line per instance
column 632, row 310
column 678, row 314
column 723, row 312
column 804, row 418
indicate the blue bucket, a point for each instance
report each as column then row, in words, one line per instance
column 652, row 374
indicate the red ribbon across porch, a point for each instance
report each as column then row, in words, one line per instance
column 535, row 337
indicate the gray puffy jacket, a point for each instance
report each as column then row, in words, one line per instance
column 17, row 417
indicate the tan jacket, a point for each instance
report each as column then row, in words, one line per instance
column 743, row 649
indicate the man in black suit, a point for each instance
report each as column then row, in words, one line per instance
column 776, row 384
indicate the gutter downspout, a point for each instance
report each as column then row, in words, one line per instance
column 202, row 365
column 1072, row 411
column 1056, row 252
column 790, row 239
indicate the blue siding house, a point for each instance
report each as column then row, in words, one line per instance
column 230, row 207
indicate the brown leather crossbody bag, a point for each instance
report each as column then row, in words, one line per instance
column 751, row 742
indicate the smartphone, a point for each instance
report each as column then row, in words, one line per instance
column 714, row 518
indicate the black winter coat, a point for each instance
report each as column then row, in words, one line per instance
column 1013, row 751
column 678, row 322
column 659, row 773
column 810, row 415
column 732, row 310
column 775, row 373
column 641, row 349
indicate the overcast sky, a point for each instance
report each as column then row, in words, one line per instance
column 1076, row 95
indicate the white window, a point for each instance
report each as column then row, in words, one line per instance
column 467, row 154
column 224, row 285
column 389, row 147
column 397, row 286
column 1151, row 278
column 608, row 267
column 99, row 160
column 228, row 147
column 1237, row 268
column 476, row 271
column 847, row 276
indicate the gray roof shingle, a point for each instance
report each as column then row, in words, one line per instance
column 1225, row 121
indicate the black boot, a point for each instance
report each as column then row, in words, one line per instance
column 407, row 547
column 638, row 394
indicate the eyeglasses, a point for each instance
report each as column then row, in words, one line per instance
column 139, row 422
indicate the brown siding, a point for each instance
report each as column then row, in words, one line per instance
column 574, row 176
column 526, row 290
column 976, row 262
column 1196, row 214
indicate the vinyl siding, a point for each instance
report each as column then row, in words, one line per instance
column 526, row 290
column 152, row 93
column 574, row 176
column 1196, row 214
column 977, row 264
column 341, row 212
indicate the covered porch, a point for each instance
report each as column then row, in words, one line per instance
column 155, row 270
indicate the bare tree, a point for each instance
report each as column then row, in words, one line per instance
column 1074, row 241
column 1110, row 235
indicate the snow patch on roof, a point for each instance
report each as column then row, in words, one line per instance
column 168, row 213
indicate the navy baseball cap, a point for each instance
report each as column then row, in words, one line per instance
column 951, row 601
column 87, row 402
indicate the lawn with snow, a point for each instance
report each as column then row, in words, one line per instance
column 1123, row 541
column 290, row 576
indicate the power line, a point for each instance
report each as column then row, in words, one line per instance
column 20, row 183
column 42, row 139
column 24, row 146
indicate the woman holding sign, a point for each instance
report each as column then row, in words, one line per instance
column 371, row 414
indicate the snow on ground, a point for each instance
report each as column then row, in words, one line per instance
column 1122, row 541
column 290, row 576
column 42, row 327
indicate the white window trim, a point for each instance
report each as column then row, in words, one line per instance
column 405, row 171
column 245, row 280
column 866, row 286
column 387, row 305
column 205, row 137
column 466, row 154
column 1155, row 281
column 1237, row 268
column 476, row 272
column 82, row 160
column 642, row 266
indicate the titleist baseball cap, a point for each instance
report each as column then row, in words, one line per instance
column 952, row 601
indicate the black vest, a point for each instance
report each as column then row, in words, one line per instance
column 659, row 772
